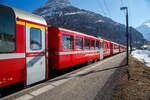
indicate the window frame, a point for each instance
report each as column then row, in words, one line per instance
column 76, row 42
column 72, row 43
column 40, row 38
column 15, row 32
column 101, row 45
column 104, row 45
column 91, row 44
column 98, row 45
column 107, row 46
column 85, row 43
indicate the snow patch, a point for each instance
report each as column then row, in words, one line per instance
column 99, row 21
column 58, row 3
column 142, row 55
column 73, row 13
column 147, row 24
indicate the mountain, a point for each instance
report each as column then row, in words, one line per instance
column 62, row 14
column 145, row 30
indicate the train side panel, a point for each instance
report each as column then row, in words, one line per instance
column 64, row 53
column 53, row 47
column 13, row 64
column 13, row 48
column 106, row 48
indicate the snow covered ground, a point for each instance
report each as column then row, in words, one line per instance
column 142, row 55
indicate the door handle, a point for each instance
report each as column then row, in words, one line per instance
column 40, row 54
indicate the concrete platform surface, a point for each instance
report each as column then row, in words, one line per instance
column 93, row 82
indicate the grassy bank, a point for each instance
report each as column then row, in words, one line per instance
column 134, row 83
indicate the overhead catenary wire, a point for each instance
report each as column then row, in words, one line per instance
column 99, row 4
column 103, row 6
column 122, row 3
column 107, row 9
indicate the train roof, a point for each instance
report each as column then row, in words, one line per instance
column 106, row 40
column 114, row 42
column 25, row 15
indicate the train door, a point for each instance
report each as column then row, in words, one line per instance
column 101, row 49
column 35, row 54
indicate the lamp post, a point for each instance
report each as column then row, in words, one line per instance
column 126, row 9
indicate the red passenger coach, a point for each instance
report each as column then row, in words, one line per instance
column 121, row 48
column 22, row 47
column 106, row 48
column 114, row 48
column 29, row 49
column 68, row 48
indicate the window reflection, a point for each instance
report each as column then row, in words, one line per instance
column 7, row 30
column 35, row 39
column 79, row 43
column 87, row 44
column 97, row 45
column 92, row 44
column 67, row 42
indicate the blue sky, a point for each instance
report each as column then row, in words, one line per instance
column 139, row 10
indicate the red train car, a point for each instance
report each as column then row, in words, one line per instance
column 29, row 49
column 121, row 48
column 23, row 47
column 114, row 48
column 68, row 48
column 106, row 48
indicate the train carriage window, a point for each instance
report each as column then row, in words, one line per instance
column 92, row 44
column 115, row 47
column 104, row 45
column 67, row 42
column 35, row 39
column 7, row 30
column 107, row 45
column 101, row 44
column 87, row 43
column 79, row 43
column 97, row 44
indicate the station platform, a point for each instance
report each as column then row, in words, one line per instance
column 93, row 82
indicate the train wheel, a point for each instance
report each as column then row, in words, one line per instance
column 94, row 61
column 98, row 59
column 86, row 63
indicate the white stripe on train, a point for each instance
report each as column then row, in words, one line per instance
column 75, row 52
column 12, row 56
column 22, row 55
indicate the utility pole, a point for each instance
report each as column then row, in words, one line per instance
column 126, row 9
column 130, row 39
